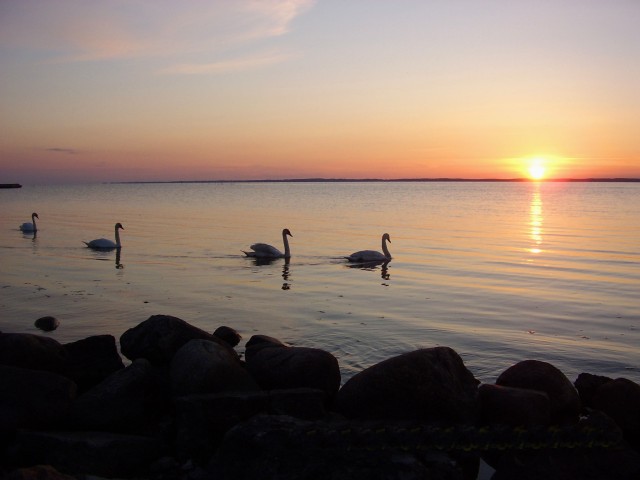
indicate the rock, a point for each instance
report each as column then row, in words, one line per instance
column 159, row 337
column 276, row 447
column 203, row 420
column 203, row 366
column 620, row 399
column 33, row 399
column 228, row 334
column 36, row 352
column 513, row 406
column 587, row 384
column 91, row 360
column 131, row 400
column 542, row 376
column 617, row 461
column 47, row 324
column 96, row 453
column 276, row 366
column 39, row 472
column 427, row 385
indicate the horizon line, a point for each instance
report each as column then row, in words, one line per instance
column 355, row 180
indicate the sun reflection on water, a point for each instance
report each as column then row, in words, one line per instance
column 535, row 222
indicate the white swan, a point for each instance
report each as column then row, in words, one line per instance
column 30, row 227
column 263, row 250
column 372, row 255
column 105, row 243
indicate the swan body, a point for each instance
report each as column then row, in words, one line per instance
column 30, row 227
column 105, row 243
column 372, row 255
column 264, row 250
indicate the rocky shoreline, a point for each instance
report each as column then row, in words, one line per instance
column 189, row 407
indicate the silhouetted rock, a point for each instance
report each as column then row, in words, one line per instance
column 616, row 461
column 33, row 398
column 91, row 360
column 620, row 399
column 36, row 352
column 39, row 472
column 47, row 324
column 283, row 448
column 542, row 376
column 427, row 385
column 501, row 405
column 131, row 400
column 159, row 337
column 587, row 385
column 277, row 366
column 229, row 335
column 97, row 453
column 203, row 366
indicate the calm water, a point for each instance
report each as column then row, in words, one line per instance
column 501, row 272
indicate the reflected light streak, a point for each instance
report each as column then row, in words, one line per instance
column 535, row 222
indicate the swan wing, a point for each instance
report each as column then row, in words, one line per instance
column 26, row 227
column 265, row 250
column 101, row 243
column 366, row 256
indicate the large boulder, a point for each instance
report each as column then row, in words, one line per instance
column 36, row 352
column 93, row 453
column 620, row 399
column 426, row 385
column 91, row 360
column 542, row 376
column 131, row 400
column 33, row 399
column 513, row 406
column 203, row 366
column 587, row 385
column 272, row 447
column 278, row 366
column 159, row 337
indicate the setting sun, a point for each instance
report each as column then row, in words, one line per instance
column 536, row 169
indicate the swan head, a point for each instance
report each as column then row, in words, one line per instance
column 119, row 225
column 386, row 237
column 34, row 214
column 286, row 232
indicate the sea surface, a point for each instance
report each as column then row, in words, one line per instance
column 500, row 272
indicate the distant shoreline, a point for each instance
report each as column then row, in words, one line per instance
column 380, row 180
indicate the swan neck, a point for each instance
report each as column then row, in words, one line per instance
column 33, row 220
column 287, row 252
column 385, row 250
column 117, row 237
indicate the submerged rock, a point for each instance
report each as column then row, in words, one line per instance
column 47, row 324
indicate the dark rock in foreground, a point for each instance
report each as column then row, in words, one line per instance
column 188, row 408
column 158, row 338
column 427, row 385
column 542, row 376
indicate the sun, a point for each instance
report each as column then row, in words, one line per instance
column 536, row 169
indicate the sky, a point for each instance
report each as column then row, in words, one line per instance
column 163, row 90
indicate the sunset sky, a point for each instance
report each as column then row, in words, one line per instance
column 125, row 90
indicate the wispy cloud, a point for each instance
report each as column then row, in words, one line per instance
column 77, row 30
column 227, row 66
column 66, row 151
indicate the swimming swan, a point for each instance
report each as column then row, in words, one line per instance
column 263, row 250
column 372, row 255
column 105, row 243
column 30, row 227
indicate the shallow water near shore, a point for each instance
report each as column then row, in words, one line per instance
column 501, row 272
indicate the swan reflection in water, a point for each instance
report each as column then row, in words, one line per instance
column 262, row 261
column 373, row 266
column 119, row 266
